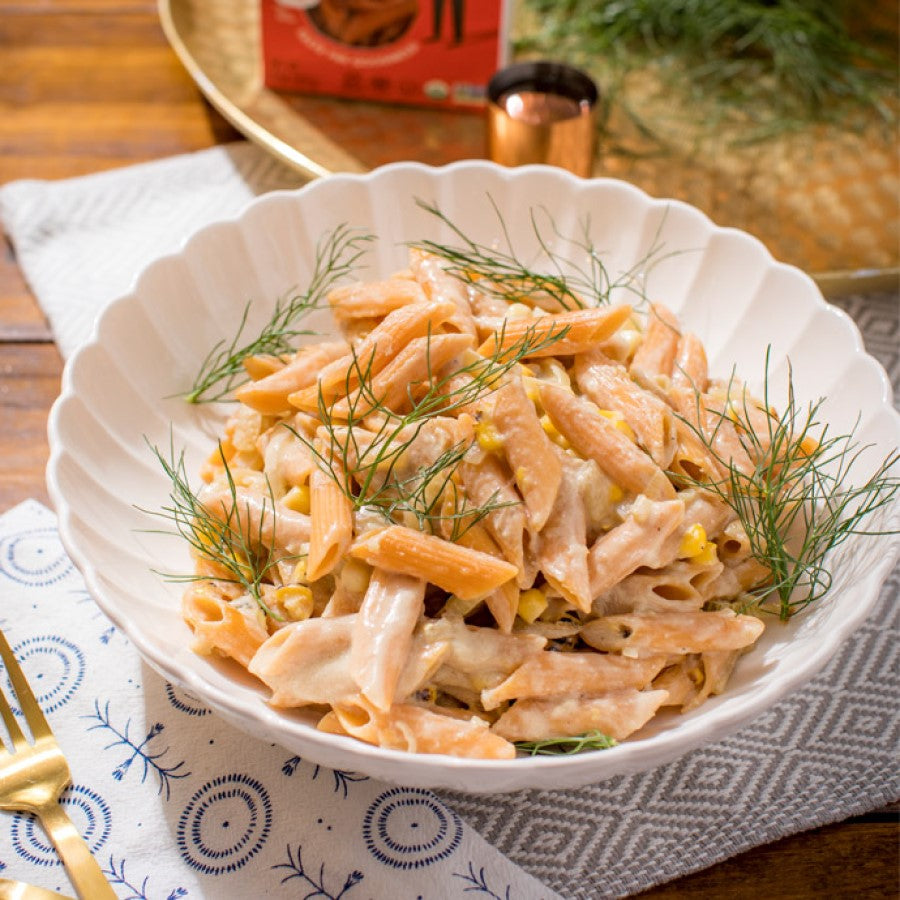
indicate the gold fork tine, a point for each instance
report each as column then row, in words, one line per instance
column 27, row 701
column 32, row 777
column 9, row 720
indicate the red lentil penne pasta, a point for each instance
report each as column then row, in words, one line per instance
column 467, row 573
column 270, row 394
column 595, row 437
column 579, row 331
column 535, row 467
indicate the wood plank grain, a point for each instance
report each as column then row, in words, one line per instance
column 21, row 320
column 29, row 383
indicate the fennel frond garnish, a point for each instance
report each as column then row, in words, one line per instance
column 371, row 459
column 337, row 253
column 242, row 554
column 795, row 501
column 500, row 271
column 557, row 746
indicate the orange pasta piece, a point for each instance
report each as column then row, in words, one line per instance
column 382, row 635
column 656, row 353
column 562, row 553
column 616, row 714
column 584, row 329
column 469, row 574
column 673, row 632
column 441, row 287
column 269, row 395
column 550, row 674
column 420, row 729
column 596, row 437
column 409, row 374
column 374, row 299
column 373, row 352
column 535, row 466
column 331, row 521
column 487, row 481
column 611, row 388
column 641, row 540
column 219, row 626
column 504, row 601
column 690, row 367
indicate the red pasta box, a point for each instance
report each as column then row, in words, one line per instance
column 426, row 52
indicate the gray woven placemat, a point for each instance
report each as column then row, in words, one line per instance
column 823, row 754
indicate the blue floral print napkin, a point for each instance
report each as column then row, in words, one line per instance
column 176, row 803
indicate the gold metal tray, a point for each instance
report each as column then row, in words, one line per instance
column 827, row 201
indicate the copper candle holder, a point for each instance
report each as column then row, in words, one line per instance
column 542, row 112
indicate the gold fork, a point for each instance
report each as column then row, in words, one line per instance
column 32, row 776
column 18, row 890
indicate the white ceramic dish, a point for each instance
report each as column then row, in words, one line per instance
column 119, row 392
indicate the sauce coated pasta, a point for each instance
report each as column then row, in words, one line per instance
column 478, row 520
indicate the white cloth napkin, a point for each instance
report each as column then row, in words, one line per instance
column 823, row 754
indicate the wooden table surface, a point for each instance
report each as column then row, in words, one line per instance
column 92, row 84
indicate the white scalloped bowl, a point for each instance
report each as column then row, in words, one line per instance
column 119, row 392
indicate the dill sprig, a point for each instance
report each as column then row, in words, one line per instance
column 370, row 461
column 337, row 253
column 499, row 270
column 558, row 746
column 228, row 542
column 795, row 502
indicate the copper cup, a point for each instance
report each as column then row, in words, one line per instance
column 542, row 112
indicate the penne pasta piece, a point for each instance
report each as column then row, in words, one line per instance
column 690, row 368
column 441, row 287
column 595, row 437
column 680, row 587
column 641, row 540
column 673, row 632
column 611, row 388
column 680, row 680
column 656, row 353
column 331, row 520
column 373, row 353
column 535, row 467
column 504, row 601
column 478, row 658
column 269, row 395
column 382, row 634
column 264, row 364
column 409, row 374
column 577, row 331
column 717, row 669
column 467, row 573
column 418, row 729
column 550, row 674
column 219, row 626
column 616, row 714
column 287, row 461
column 308, row 662
column 487, row 482
column 709, row 417
column 562, row 553
column 374, row 299
column 256, row 518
